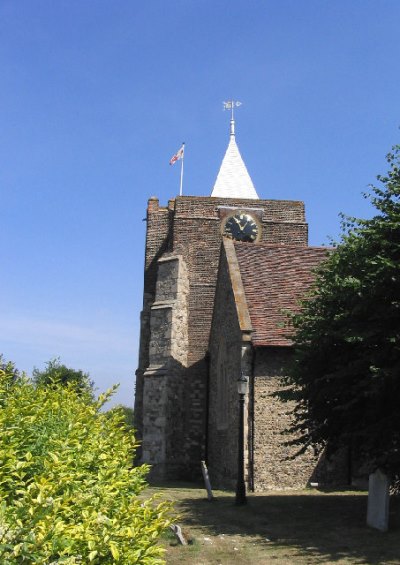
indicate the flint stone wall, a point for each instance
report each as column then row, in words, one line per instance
column 163, row 386
column 273, row 466
column 225, row 364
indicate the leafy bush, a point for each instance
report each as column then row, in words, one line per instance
column 68, row 491
column 127, row 413
column 55, row 372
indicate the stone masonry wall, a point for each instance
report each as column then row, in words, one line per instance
column 173, row 287
column 155, row 418
column 157, row 241
column 163, row 384
column 197, row 236
column 225, row 365
column 272, row 468
column 191, row 227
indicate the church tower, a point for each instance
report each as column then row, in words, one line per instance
column 183, row 242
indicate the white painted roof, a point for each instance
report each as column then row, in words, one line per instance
column 233, row 180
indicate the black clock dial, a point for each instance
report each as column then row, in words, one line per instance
column 242, row 227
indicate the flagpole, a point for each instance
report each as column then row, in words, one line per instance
column 183, row 158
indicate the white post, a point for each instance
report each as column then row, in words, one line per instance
column 378, row 501
column 206, row 478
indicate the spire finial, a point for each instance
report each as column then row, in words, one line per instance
column 233, row 180
column 230, row 105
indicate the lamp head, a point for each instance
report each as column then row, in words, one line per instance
column 242, row 384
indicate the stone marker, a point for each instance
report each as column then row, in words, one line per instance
column 378, row 501
column 206, row 478
column 178, row 533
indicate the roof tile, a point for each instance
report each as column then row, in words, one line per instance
column 275, row 278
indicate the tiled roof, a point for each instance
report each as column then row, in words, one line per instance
column 233, row 180
column 275, row 278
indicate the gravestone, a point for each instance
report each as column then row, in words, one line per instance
column 206, row 478
column 378, row 501
column 178, row 533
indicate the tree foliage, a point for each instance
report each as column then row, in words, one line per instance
column 127, row 412
column 55, row 372
column 8, row 368
column 346, row 374
column 68, row 491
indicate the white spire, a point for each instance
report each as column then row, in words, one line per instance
column 233, row 180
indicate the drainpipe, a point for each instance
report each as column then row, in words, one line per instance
column 251, row 420
column 246, row 367
column 207, row 361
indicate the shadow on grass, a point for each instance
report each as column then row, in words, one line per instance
column 328, row 527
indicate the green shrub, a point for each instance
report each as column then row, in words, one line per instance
column 68, row 491
column 55, row 372
column 127, row 413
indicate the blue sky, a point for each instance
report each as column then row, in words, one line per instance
column 95, row 98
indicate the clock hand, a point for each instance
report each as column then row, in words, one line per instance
column 239, row 223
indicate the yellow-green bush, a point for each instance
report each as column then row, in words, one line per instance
column 68, row 491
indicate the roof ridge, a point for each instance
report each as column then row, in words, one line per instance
column 237, row 286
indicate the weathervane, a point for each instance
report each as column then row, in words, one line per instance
column 230, row 105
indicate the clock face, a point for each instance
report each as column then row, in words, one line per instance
column 242, row 227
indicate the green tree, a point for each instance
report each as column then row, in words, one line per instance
column 55, row 372
column 68, row 492
column 346, row 374
column 8, row 368
column 127, row 412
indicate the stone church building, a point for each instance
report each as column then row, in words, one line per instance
column 221, row 271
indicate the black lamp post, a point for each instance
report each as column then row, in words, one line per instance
column 242, row 384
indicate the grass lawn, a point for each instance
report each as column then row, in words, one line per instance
column 288, row 527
